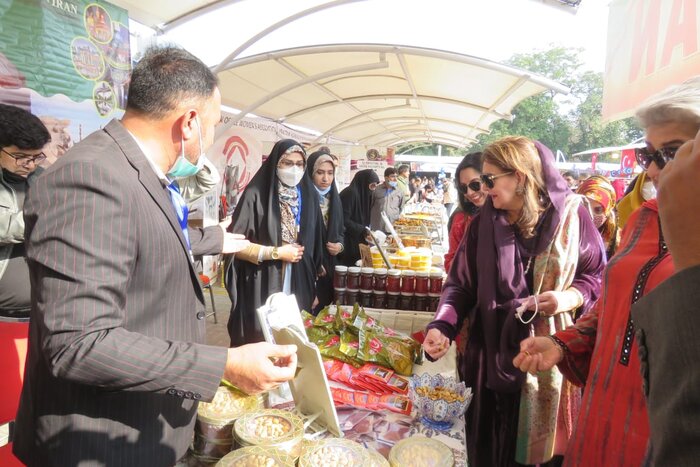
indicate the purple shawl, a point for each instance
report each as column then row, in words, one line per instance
column 501, row 279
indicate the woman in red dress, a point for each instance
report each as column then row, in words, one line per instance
column 600, row 350
column 471, row 198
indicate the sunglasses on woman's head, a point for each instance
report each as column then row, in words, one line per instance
column 661, row 156
column 474, row 185
column 490, row 179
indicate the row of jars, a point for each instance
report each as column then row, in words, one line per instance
column 388, row 300
column 392, row 281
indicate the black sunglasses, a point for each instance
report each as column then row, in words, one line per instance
column 661, row 156
column 474, row 185
column 490, row 179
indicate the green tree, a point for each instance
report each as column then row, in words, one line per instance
column 541, row 116
column 587, row 127
column 569, row 123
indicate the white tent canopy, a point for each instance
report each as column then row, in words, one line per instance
column 369, row 94
column 379, row 95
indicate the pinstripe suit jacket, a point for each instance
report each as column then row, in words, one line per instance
column 115, row 362
column 668, row 325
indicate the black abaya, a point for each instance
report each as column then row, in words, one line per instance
column 334, row 232
column 357, row 201
column 257, row 216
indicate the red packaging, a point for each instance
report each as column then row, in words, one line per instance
column 398, row 384
column 398, row 404
column 377, row 372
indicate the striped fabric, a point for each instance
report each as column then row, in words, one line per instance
column 116, row 362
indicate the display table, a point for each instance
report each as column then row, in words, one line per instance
column 376, row 429
column 381, row 430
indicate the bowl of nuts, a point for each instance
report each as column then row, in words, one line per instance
column 334, row 452
column 256, row 456
column 439, row 400
column 272, row 428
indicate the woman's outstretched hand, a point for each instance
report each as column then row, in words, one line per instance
column 436, row 344
column 538, row 354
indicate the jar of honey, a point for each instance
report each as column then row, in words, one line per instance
column 393, row 281
column 353, row 280
column 366, row 278
column 408, row 282
column 340, row 277
column 436, row 282
column 422, row 282
column 380, row 279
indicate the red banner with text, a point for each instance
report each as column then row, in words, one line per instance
column 651, row 45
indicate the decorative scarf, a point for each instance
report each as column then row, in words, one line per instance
column 631, row 201
column 289, row 206
column 548, row 402
column 597, row 188
column 325, row 204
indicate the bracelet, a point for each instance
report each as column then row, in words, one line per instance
column 560, row 345
column 342, row 248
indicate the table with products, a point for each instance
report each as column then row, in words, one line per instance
column 377, row 427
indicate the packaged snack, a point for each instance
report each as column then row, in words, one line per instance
column 386, row 351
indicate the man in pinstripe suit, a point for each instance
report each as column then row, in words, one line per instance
column 116, row 363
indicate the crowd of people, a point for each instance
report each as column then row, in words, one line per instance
column 554, row 284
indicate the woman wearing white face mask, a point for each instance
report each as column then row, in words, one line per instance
column 279, row 213
column 600, row 195
column 321, row 171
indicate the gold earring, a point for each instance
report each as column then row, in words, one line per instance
column 520, row 191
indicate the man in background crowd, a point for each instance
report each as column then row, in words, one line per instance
column 386, row 198
column 22, row 139
column 571, row 179
column 417, row 190
column 403, row 182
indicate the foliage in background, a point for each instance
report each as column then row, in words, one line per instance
column 570, row 123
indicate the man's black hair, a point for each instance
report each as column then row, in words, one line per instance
column 164, row 78
column 404, row 168
column 22, row 129
column 389, row 171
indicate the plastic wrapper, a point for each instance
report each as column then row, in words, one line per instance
column 377, row 348
column 329, row 346
column 364, row 400
column 349, row 344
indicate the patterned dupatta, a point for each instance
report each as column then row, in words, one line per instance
column 541, row 432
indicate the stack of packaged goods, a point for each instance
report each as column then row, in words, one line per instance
column 356, row 339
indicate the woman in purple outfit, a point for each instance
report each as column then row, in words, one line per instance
column 540, row 261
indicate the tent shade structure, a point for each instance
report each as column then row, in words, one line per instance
column 370, row 94
column 378, row 95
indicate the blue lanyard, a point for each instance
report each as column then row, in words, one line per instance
column 297, row 211
column 181, row 210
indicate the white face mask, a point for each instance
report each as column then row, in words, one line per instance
column 184, row 168
column 291, row 176
column 648, row 190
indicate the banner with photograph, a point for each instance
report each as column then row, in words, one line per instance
column 68, row 62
